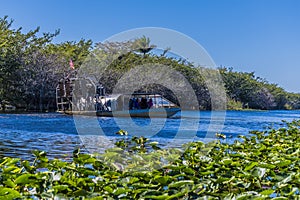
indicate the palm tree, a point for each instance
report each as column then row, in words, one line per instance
column 142, row 45
column 165, row 51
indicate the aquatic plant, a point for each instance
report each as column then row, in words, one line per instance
column 264, row 165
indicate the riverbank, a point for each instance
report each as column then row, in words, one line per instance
column 22, row 111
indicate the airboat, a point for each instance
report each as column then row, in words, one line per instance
column 95, row 102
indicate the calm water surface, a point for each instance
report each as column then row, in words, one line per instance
column 58, row 135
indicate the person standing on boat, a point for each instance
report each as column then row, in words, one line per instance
column 131, row 103
column 136, row 103
column 144, row 104
column 108, row 105
column 150, row 103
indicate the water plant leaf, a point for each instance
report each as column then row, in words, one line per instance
column 8, row 193
column 161, row 179
column 259, row 172
column 157, row 197
column 180, row 183
column 60, row 188
column 267, row 192
column 250, row 166
column 9, row 183
column 25, row 178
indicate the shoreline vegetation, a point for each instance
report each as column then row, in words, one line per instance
column 31, row 66
column 264, row 165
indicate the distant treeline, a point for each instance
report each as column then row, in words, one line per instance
column 31, row 66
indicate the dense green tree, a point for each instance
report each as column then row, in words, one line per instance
column 31, row 66
column 18, row 52
column 70, row 50
column 257, row 93
column 119, row 60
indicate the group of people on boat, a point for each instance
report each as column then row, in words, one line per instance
column 101, row 104
column 140, row 103
column 104, row 104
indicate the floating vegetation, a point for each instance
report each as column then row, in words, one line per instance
column 265, row 165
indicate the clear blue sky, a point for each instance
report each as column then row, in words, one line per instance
column 249, row 35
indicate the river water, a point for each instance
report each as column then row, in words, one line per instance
column 60, row 134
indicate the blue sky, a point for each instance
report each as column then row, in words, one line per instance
column 249, row 35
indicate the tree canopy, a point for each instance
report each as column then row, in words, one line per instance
column 31, row 66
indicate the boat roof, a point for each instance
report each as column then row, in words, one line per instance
column 140, row 93
column 133, row 94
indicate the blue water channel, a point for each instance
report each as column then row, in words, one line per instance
column 60, row 134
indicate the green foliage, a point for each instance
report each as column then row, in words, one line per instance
column 142, row 45
column 262, row 166
column 234, row 105
column 20, row 53
column 122, row 132
column 121, row 64
column 256, row 93
column 244, row 90
column 76, row 51
column 31, row 66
